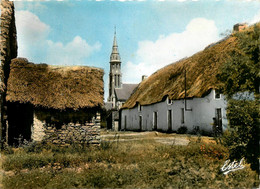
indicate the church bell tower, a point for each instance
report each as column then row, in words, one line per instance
column 115, row 75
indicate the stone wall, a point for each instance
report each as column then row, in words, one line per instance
column 88, row 133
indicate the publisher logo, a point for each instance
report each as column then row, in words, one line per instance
column 232, row 166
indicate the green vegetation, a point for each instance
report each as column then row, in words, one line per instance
column 130, row 164
column 240, row 74
column 242, row 138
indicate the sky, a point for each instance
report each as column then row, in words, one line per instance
column 150, row 34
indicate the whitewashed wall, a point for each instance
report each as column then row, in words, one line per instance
column 37, row 129
column 203, row 111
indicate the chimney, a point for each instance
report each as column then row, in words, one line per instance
column 239, row 26
column 144, row 77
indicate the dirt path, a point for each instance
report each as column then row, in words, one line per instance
column 124, row 134
column 169, row 139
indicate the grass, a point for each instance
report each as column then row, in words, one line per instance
column 129, row 164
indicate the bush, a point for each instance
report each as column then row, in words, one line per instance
column 200, row 132
column 182, row 130
column 242, row 138
column 195, row 130
column 206, row 133
column 214, row 151
column 7, row 150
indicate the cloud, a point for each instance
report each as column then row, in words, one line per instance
column 27, row 5
column 33, row 43
column 153, row 55
column 255, row 19
column 30, row 31
column 71, row 53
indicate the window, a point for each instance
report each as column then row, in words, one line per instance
column 119, row 81
column 169, row 120
column 139, row 107
column 169, row 102
column 182, row 115
column 155, row 120
column 217, row 94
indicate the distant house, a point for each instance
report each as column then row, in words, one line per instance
column 182, row 94
column 123, row 93
column 54, row 103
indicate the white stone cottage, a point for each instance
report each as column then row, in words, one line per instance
column 181, row 94
column 169, row 115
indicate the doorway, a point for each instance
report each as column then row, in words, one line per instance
column 20, row 121
column 218, row 115
column 140, row 122
column 155, row 120
column 169, row 120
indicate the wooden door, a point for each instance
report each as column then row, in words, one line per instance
column 140, row 122
column 155, row 120
column 218, row 120
column 169, row 120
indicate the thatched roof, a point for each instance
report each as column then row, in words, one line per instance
column 55, row 86
column 201, row 71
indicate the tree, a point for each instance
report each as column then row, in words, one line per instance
column 240, row 83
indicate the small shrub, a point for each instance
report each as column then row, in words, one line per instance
column 105, row 145
column 206, row 133
column 198, row 139
column 214, row 151
column 182, row 130
column 35, row 147
column 7, row 150
column 200, row 132
column 196, row 130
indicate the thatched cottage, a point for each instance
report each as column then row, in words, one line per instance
column 181, row 94
column 54, row 103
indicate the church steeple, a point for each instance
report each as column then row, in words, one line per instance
column 115, row 75
column 115, row 57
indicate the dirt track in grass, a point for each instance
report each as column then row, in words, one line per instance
column 164, row 138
